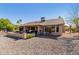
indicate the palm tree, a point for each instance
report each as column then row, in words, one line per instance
column 20, row 20
column 18, row 23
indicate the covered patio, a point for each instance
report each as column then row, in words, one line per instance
column 45, row 30
column 47, row 27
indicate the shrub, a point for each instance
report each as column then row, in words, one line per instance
column 30, row 35
column 73, row 29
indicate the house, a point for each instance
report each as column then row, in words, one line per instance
column 46, row 27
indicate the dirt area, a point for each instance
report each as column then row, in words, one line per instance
column 63, row 45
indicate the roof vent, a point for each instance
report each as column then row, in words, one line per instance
column 42, row 19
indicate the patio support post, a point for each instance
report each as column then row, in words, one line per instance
column 44, row 30
column 24, row 32
column 38, row 30
column 55, row 29
column 24, row 29
column 30, row 27
column 35, row 28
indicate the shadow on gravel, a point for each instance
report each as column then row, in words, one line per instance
column 76, row 37
column 49, row 36
column 15, row 38
column 68, row 38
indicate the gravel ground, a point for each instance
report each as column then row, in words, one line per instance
column 65, row 44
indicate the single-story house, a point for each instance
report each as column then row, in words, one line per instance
column 46, row 27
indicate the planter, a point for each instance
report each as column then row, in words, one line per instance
column 18, row 35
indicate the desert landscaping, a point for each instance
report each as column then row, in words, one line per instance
column 65, row 44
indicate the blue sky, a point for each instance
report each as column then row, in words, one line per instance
column 33, row 11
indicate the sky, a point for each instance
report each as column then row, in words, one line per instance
column 29, row 12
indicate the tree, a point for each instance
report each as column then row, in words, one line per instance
column 19, row 21
column 75, row 17
column 2, row 26
column 10, row 27
column 6, row 24
column 5, row 21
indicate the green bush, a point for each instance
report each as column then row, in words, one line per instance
column 73, row 29
column 10, row 27
column 30, row 35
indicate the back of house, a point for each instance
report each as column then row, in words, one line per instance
column 45, row 27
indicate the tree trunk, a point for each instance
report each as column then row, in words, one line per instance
column 70, row 29
column 77, row 28
column 78, row 31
